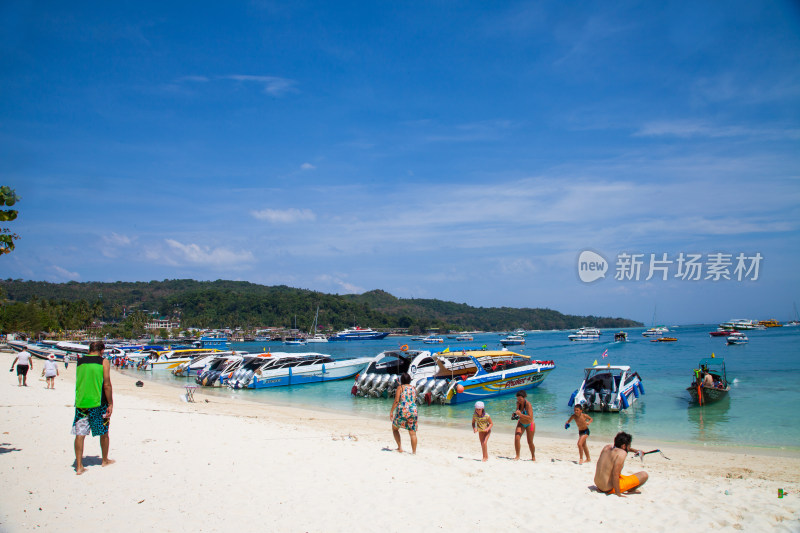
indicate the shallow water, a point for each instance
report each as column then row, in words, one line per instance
column 765, row 375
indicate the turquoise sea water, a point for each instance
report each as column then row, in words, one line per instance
column 759, row 412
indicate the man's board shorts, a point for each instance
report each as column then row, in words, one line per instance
column 90, row 418
column 627, row 483
column 22, row 370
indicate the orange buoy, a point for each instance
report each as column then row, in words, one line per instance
column 459, row 388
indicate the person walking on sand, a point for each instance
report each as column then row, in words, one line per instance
column 482, row 425
column 404, row 412
column 525, row 424
column 608, row 475
column 24, row 363
column 582, row 420
column 50, row 371
column 93, row 402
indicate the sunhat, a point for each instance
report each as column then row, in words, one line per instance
column 478, row 405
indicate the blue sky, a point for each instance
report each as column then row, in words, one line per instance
column 466, row 151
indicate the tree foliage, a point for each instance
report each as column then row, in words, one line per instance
column 8, row 197
column 246, row 305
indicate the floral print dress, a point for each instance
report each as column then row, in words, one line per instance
column 405, row 416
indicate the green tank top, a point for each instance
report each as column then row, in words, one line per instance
column 89, row 381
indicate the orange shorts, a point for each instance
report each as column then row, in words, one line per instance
column 627, row 483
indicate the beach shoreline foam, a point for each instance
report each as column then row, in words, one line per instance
column 221, row 463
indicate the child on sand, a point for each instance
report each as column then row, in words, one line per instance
column 482, row 425
column 50, row 371
column 583, row 420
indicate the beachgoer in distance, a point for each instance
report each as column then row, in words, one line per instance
column 24, row 363
column 50, row 371
column 608, row 476
column 482, row 425
column 582, row 420
column 525, row 424
column 94, row 402
column 404, row 412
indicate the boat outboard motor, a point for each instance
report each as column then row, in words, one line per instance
column 394, row 382
column 589, row 394
column 439, row 390
column 605, row 399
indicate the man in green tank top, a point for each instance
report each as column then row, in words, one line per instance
column 93, row 403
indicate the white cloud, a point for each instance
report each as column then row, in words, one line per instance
column 307, row 166
column 115, row 239
column 285, row 216
column 61, row 274
column 273, row 85
column 699, row 128
column 179, row 254
column 338, row 284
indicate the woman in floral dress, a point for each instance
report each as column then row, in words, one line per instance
column 404, row 412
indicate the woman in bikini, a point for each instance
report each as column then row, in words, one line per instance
column 525, row 424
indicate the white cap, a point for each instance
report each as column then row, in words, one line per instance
column 478, row 405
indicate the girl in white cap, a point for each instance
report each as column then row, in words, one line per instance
column 50, row 371
column 482, row 425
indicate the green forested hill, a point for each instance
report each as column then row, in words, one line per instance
column 224, row 303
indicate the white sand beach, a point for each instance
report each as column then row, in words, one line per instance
column 223, row 465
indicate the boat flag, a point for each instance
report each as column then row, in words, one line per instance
column 712, row 355
column 446, row 350
column 605, row 354
column 595, row 362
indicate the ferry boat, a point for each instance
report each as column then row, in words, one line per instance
column 608, row 389
column 655, row 332
column 282, row 369
column 433, row 339
column 513, row 340
column 585, row 334
column 358, row 334
column 739, row 324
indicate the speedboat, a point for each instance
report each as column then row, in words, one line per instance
column 513, row 340
column 465, row 337
column 721, row 332
column 585, row 334
column 279, row 369
column 737, row 337
column 433, row 339
column 655, row 332
column 381, row 376
column 479, row 375
column 168, row 359
column 295, row 341
column 607, row 388
column 217, row 372
column 198, row 365
column 703, row 394
column 358, row 334
column 38, row 351
column 620, row 337
column 319, row 337
column 664, row 339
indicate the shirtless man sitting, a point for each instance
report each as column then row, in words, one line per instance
column 608, row 476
